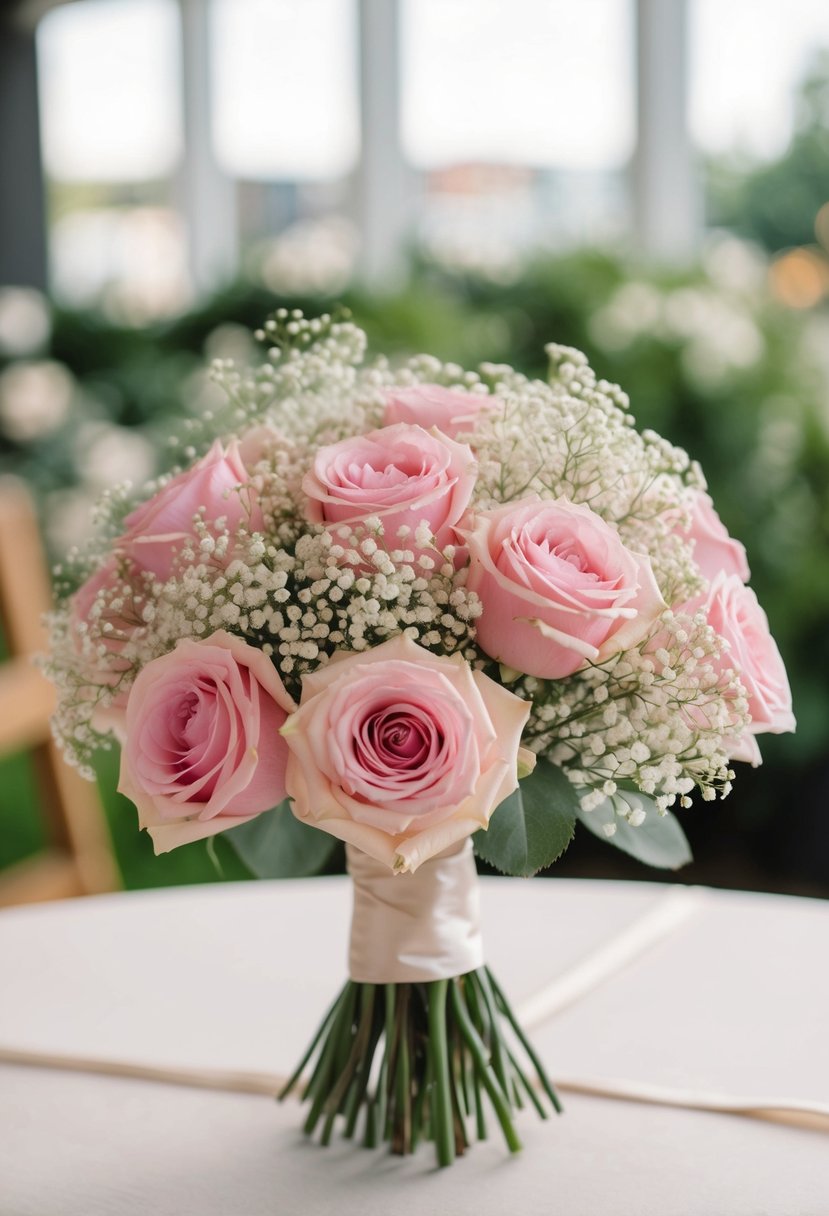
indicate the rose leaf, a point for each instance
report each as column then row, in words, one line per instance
column 658, row 841
column 277, row 845
column 533, row 826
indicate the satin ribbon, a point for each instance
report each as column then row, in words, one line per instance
column 414, row 928
column 813, row 1116
column 666, row 915
column 661, row 920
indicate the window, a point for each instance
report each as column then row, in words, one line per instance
column 285, row 102
column 521, row 117
column 538, row 82
column 109, row 90
column 747, row 57
column 110, row 105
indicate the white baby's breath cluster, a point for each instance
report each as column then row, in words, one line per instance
column 657, row 718
column 654, row 718
column 333, row 591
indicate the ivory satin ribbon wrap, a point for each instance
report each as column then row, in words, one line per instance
column 413, row 928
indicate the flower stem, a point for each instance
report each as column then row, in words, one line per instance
column 480, row 1116
column 402, row 1126
column 416, row 1060
column 442, row 1095
column 531, row 1094
column 335, row 1103
column 312, row 1046
column 497, row 1097
column 325, row 1072
column 359, row 1084
column 506, row 1010
column 496, row 1044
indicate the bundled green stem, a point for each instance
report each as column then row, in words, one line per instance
column 418, row 1061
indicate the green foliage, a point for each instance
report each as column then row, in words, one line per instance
column 532, row 827
column 776, row 203
column 21, row 830
column 139, row 865
column 278, row 845
column 659, row 841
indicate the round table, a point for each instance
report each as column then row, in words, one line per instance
column 731, row 998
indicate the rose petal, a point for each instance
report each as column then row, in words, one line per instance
column 202, row 743
column 452, row 758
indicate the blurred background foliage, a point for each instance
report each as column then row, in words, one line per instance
column 782, row 203
column 727, row 355
column 710, row 357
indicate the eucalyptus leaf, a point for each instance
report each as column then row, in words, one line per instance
column 659, row 841
column 278, row 845
column 533, row 826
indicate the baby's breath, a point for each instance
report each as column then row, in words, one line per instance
column 658, row 719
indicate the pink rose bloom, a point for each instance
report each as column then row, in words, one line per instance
column 733, row 612
column 429, row 405
column 558, row 587
column 402, row 752
column 745, row 749
column 109, row 604
column 402, row 474
column 715, row 551
column 203, row 750
column 216, row 485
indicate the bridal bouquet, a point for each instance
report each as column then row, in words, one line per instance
column 427, row 612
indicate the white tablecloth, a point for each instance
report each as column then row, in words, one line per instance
column 734, row 1001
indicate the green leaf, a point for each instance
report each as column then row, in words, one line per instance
column 659, row 841
column 532, row 827
column 278, row 845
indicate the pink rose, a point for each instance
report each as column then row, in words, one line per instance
column 104, row 613
column 203, row 750
column 429, row 405
column 558, row 587
column 715, row 551
column 402, row 752
column 216, row 486
column 402, row 474
column 745, row 749
column 733, row 612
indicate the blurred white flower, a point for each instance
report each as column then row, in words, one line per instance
column 24, row 321
column 230, row 341
column 200, row 394
column 68, row 518
column 309, row 256
column 635, row 309
column 129, row 261
column 105, row 454
column 719, row 333
column 735, row 265
column 34, row 399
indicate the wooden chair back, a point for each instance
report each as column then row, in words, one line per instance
column 78, row 858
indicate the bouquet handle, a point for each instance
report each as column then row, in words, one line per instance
column 421, row 1041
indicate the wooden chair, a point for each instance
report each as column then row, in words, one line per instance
column 78, row 859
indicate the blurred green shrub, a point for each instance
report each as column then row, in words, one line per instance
column 776, row 203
